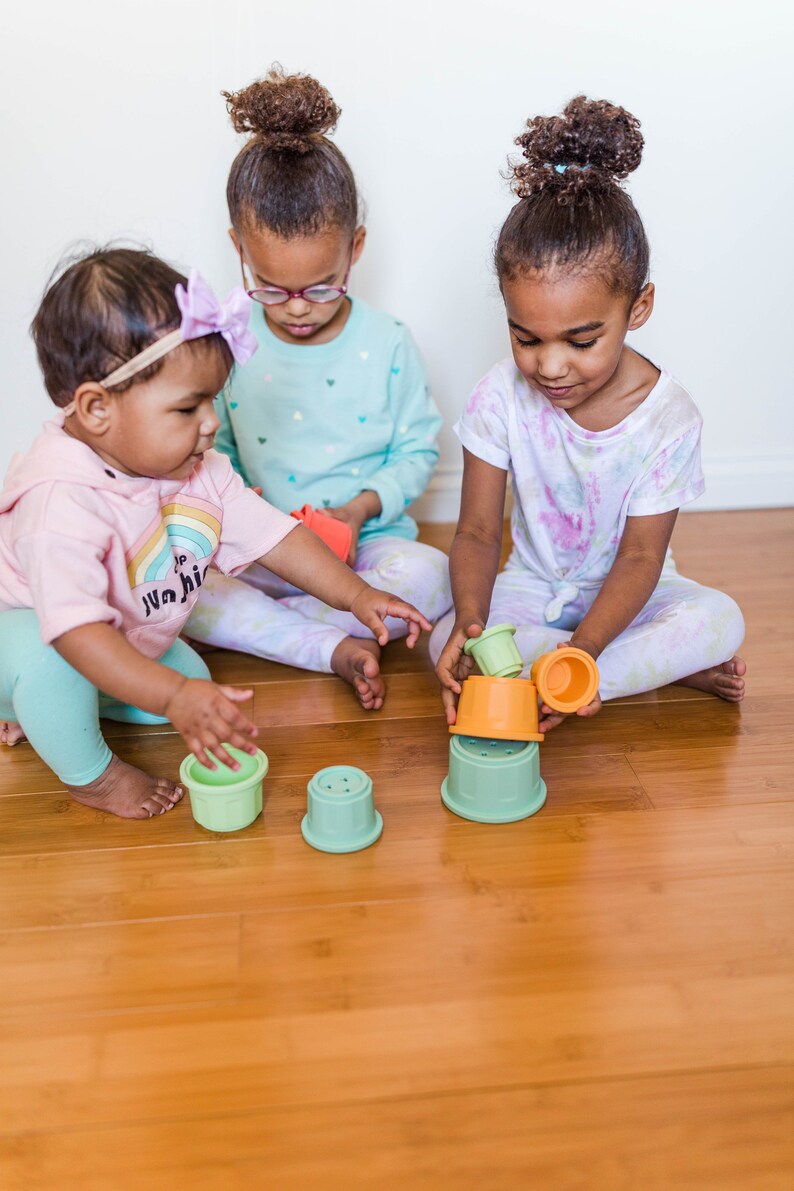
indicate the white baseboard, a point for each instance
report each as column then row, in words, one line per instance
column 735, row 482
column 747, row 482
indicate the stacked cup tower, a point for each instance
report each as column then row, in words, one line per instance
column 494, row 766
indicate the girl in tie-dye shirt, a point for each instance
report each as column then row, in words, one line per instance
column 602, row 447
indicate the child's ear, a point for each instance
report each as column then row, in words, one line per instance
column 92, row 407
column 359, row 237
column 234, row 240
column 642, row 309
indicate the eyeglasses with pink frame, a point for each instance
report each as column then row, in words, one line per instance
column 274, row 295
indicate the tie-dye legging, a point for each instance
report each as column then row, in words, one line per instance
column 682, row 629
column 259, row 613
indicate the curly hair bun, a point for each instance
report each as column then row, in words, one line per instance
column 286, row 112
column 591, row 146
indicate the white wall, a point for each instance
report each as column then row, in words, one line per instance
column 114, row 126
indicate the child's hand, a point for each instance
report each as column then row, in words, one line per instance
column 454, row 665
column 352, row 517
column 371, row 607
column 205, row 715
column 549, row 718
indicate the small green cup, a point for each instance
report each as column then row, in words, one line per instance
column 493, row 781
column 495, row 652
column 225, row 799
column 341, row 815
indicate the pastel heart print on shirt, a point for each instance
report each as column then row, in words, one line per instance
column 330, row 449
column 262, row 440
column 364, row 355
column 326, row 503
column 268, row 377
column 297, row 416
column 355, row 471
column 291, row 480
column 330, row 381
column 394, row 371
column 233, row 404
column 403, row 430
column 362, row 417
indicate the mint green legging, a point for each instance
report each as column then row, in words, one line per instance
column 57, row 708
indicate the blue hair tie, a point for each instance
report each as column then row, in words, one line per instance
column 560, row 169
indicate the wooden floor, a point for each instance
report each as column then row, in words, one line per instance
column 599, row 997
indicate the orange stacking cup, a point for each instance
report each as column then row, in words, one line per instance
column 566, row 679
column 335, row 533
column 497, row 708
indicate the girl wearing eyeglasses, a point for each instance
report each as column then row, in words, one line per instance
column 335, row 410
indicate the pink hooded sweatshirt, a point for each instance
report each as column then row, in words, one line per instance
column 81, row 543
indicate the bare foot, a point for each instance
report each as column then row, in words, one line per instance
column 552, row 719
column 725, row 680
column 10, row 734
column 128, row 792
column 356, row 660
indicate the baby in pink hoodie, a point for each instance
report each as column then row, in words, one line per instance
column 109, row 524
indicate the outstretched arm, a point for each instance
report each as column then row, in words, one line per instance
column 203, row 712
column 306, row 562
column 630, row 583
column 473, row 566
column 625, row 591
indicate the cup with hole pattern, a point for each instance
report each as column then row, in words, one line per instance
column 341, row 815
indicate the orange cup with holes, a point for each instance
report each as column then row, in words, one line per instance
column 335, row 533
column 566, row 679
column 497, row 708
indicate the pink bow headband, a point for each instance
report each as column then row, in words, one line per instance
column 202, row 314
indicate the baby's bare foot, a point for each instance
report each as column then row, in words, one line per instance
column 356, row 660
column 128, row 792
column 10, row 733
column 725, row 680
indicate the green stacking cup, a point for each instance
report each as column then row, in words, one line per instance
column 341, row 815
column 495, row 652
column 225, row 799
column 493, row 781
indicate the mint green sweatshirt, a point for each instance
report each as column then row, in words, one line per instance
column 317, row 424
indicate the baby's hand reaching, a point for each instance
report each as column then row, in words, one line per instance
column 454, row 665
column 371, row 607
column 205, row 715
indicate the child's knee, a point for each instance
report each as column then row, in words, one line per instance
column 435, row 586
column 440, row 636
column 183, row 658
column 726, row 622
column 421, row 575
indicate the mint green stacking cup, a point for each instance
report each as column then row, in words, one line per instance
column 495, row 652
column 225, row 799
column 493, row 781
column 341, row 815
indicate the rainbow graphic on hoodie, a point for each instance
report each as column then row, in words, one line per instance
column 188, row 525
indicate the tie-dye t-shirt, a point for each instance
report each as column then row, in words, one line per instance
column 573, row 489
